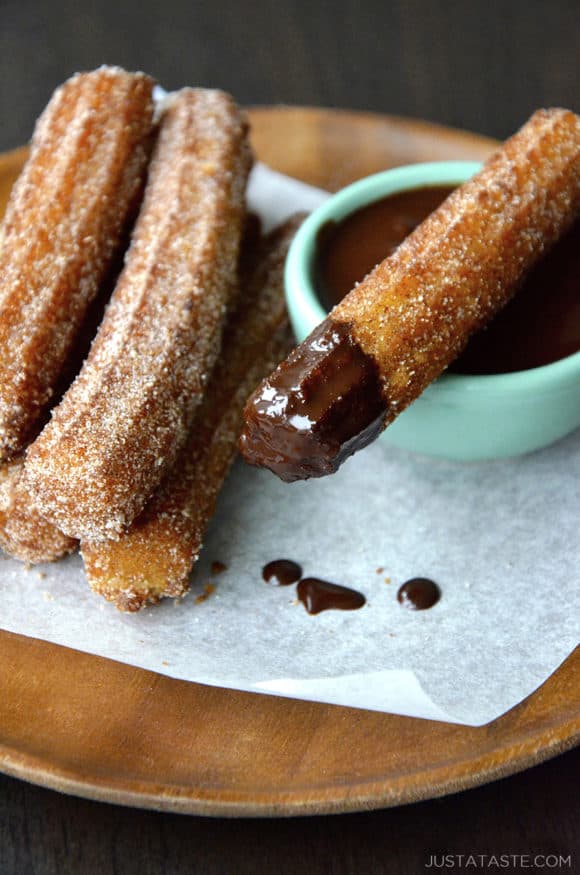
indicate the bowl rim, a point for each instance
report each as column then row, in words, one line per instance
column 302, row 297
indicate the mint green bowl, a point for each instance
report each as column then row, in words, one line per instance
column 466, row 418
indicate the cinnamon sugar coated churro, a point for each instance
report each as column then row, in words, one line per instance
column 24, row 534
column 120, row 425
column 155, row 556
column 65, row 222
column 411, row 316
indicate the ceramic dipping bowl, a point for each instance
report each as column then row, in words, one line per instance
column 458, row 417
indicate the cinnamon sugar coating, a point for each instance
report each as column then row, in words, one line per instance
column 66, row 220
column 154, row 557
column 119, row 427
column 24, row 533
column 398, row 329
column 415, row 312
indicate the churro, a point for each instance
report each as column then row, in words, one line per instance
column 24, row 533
column 65, row 223
column 410, row 317
column 119, row 427
column 155, row 556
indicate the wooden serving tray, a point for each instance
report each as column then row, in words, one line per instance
column 100, row 729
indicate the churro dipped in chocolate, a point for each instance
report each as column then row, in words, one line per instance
column 119, row 427
column 66, row 220
column 24, row 533
column 412, row 315
column 154, row 557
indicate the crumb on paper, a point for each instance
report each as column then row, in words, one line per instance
column 164, row 662
column 41, row 575
column 380, row 570
column 387, row 580
column 209, row 588
column 47, row 596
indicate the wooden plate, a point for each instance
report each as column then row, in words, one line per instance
column 104, row 730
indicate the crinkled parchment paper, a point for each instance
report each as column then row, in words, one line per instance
column 500, row 538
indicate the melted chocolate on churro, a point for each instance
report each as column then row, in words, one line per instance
column 414, row 313
column 282, row 572
column 320, row 595
column 419, row 594
column 320, row 406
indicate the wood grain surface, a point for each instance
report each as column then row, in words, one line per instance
column 477, row 65
column 46, row 833
column 100, row 729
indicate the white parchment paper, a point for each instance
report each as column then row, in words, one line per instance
column 500, row 538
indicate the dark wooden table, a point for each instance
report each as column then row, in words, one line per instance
column 44, row 833
column 480, row 65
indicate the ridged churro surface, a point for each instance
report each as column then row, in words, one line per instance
column 412, row 315
column 120, row 425
column 155, row 556
column 67, row 217
column 24, row 534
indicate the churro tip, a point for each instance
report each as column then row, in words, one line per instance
column 409, row 318
column 121, row 423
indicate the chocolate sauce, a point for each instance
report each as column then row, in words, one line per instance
column 419, row 594
column 541, row 324
column 218, row 567
column 281, row 572
column 320, row 595
column 348, row 250
column 319, row 406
